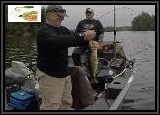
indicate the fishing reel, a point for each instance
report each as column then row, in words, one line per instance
column 81, row 34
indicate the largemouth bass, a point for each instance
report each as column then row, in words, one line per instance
column 93, row 62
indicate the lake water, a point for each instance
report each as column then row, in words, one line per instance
column 139, row 45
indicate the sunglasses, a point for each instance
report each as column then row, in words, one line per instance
column 88, row 12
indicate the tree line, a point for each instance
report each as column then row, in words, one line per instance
column 142, row 22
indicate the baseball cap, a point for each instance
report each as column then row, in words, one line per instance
column 89, row 10
column 57, row 9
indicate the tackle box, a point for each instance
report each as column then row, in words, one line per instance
column 23, row 100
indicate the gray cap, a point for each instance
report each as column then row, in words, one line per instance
column 56, row 8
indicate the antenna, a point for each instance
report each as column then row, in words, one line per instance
column 114, row 34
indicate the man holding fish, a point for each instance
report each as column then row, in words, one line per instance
column 89, row 24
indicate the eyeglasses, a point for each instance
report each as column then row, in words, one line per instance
column 60, row 16
column 59, row 10
column 63, row 11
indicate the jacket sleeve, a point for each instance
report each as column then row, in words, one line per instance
column 47, row 38
column 100, row 31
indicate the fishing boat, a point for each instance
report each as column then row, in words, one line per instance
column 114, row 76
column 115, row 73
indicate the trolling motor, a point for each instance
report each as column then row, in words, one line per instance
column 12, row 78
column 20, row 86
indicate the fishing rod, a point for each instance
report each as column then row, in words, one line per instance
column 108, row 12
column 114, row 10
column 114, row 43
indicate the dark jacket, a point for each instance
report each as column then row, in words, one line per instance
column 86, row 24
column 52, row 49
column 82, row 92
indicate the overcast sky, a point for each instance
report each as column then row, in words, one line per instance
column 124, row 14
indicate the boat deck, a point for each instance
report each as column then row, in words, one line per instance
column 114, row 94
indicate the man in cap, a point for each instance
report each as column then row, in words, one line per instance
column 53, row 41
column 87, row 24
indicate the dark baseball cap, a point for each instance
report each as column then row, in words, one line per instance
column 56, row 8
column 89, row 10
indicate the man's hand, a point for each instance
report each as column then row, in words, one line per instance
column 89, row 35
column 96, row 44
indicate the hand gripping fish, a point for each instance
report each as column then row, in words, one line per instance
column 93, row 62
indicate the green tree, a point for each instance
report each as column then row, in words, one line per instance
column 143, row 22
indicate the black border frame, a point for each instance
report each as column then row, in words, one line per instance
column 156, row 3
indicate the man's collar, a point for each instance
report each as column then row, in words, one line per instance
column 48, row 22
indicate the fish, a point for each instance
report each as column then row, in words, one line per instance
column 30, row 16
column 93, row 62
